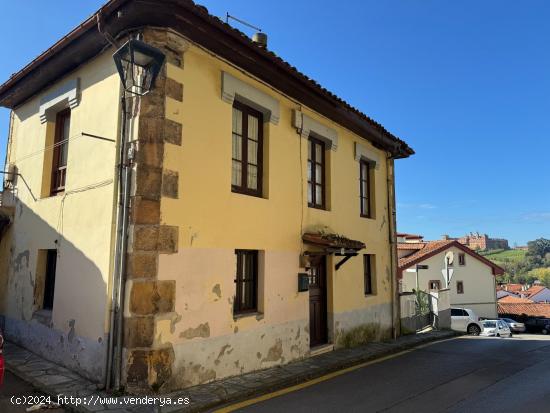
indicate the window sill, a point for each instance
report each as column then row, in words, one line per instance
column 257, row 314
column 370, row 295
column 319, row 208
column 368, row 217
column 243, row 192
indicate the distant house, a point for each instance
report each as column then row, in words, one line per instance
column 503, row 293
column 514, row 290
column 537, row 294
column 408, row 238
column 472, row 284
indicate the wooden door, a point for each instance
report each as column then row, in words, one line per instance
column 318, row 303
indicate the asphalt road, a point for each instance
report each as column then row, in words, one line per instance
column 469, row 374
column 14, row 389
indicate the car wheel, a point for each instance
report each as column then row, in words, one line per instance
column 544, row 331
column 510, row 335
column 474, row 330
column 498, row 334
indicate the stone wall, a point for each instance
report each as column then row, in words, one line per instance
column 148, row 364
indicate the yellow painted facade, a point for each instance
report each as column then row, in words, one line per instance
column 78, row 223
column 200, row 330
column 213, row 222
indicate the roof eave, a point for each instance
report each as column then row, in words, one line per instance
column 85, row 42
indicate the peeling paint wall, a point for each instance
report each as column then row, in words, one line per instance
column 77, row 223
column 209, row 342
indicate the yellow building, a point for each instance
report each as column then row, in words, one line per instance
column 261, row 207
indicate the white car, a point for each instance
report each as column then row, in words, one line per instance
column 495, row 328
column 465, row 320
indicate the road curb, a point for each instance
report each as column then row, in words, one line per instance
column 393, row 348
column 53, row 380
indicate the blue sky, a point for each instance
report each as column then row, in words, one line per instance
column 466, row 84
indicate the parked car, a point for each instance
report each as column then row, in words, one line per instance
column 465, row 320
column 538, row 325
column 514, row 325
column 495, row 328
column 1, row 358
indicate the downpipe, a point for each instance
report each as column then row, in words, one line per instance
column 114, row 346
column 390, row 186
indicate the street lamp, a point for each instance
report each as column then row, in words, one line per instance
column 138, row 65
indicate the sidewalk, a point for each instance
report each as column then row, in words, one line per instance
column 53, row 379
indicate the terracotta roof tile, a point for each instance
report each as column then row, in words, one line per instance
column 410, row 245
column 434, row 247
column 512, row 299
column 513, row 288
column 529, row 309
column 534, row 290
column 429, row 247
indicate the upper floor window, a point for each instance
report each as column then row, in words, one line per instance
column 365, row 188
column 316, row 173
column 461, row 259
column 246, row 294
column 247, row 158
column 60, row 151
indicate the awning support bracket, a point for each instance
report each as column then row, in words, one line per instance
column 343, row 260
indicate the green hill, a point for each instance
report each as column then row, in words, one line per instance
column 502, row 256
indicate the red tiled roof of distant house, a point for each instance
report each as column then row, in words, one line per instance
column 424, row 252
column 534, row 290
column 541, row 310
column 432, row 248
column 512, row 299
column 513, row 288
column 411, row 245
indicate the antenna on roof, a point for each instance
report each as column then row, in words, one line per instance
column 259, row 38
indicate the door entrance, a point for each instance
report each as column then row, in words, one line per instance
column 318, row 303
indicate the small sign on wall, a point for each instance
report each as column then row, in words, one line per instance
column 303, row 282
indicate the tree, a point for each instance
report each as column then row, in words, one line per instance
column 541, row 274
column 538, row 248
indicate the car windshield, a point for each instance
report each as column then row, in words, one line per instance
column 489, row 324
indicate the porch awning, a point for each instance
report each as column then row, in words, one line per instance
column 333, row 242
column 336, row 244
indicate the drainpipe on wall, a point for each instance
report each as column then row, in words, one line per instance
column 114, row 347
column 393, row 244
column 127, row 165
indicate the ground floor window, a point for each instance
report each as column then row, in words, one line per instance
column 434, row 285
column 246, row 297
column 369, row 272
column 49, row 280
column 460, row 287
